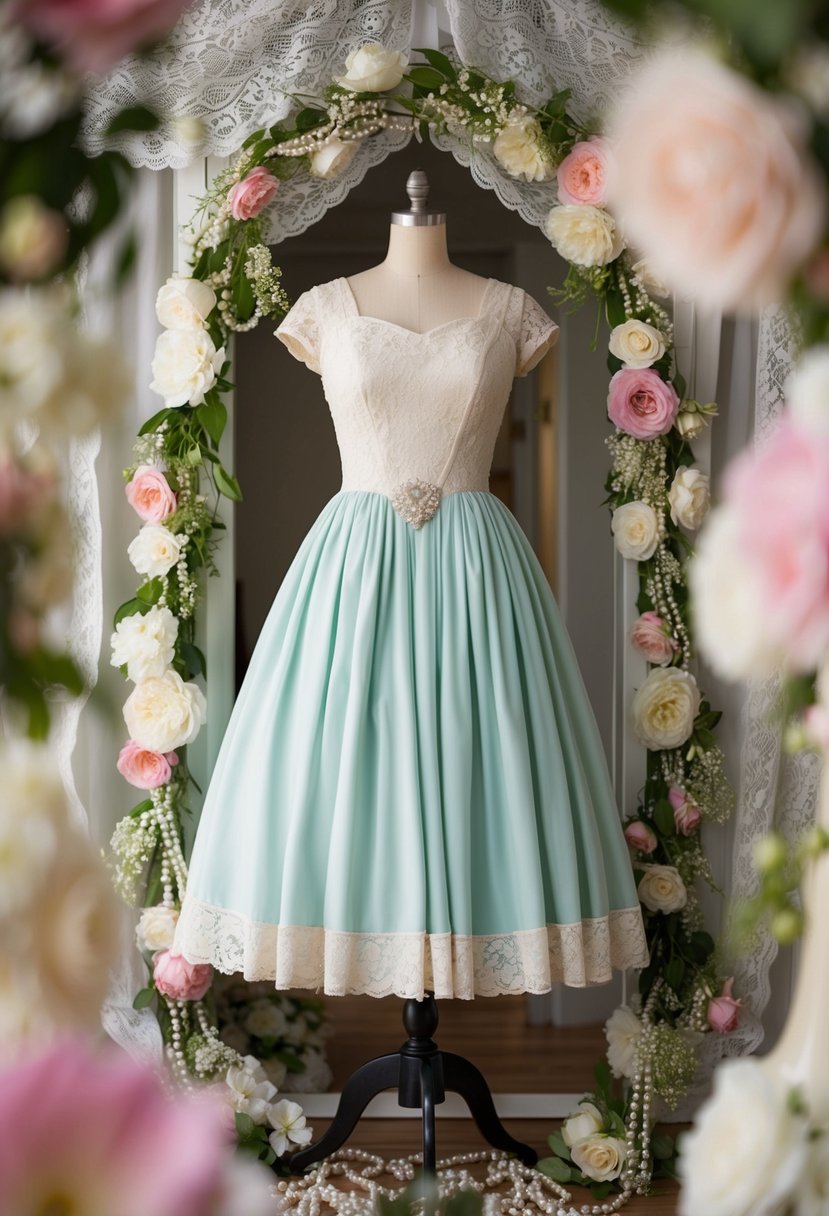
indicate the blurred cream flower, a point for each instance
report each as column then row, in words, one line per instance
column 33, row 238
column 623, row 1030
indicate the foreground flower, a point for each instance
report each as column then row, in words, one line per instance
column 689, row 497
column 156, row 928
column 723, row 1012
column 288, row 1121
column 635, row 529
column 582, row 1123
column 33, row 239
column 585, row 235
column 145, row 643
column 372, row 69
column 695, row 146
column 155, row 550
column 600, row 1157
column 117, row 1143
column 184, row 304
column 252, row 194
column 179, row 979
column 649, row 636
column 641, row 403
column 332, row 158
column 640, row 837
column 149, row 494
column 661, row 889
column 582, row 175
column 164, row 713
column 807, row 391
column 519, row 148
column 185, row 366
column 623, row 1031
column 636, row 343
column 748, row 1149
column 664, row 708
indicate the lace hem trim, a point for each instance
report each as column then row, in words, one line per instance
column 410, row 964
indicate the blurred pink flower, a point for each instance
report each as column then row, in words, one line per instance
column 641, row 403
column 92, row 35
column 22, row 492
column 149, row 494
column 145, row 769
column 640, row 837
column 724, row 1010
column 178, row 979
column 582, row 175
column 650, row 638
column 687, row 814
column 249, row 196
column 96, row 1134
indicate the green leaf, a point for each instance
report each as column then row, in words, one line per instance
column 150, row 592
column 144, row 998
column 554, row 1168
column 556, row 1143
column 245, row 1126
column 243, row 298
column 129, row 609
column 125, row 260
column 680, row 385
column 227, row 484
column 675, row 974
column 193, row 456
column 600, row 1189
column 438, row 60
column 425, row 77
column 213, row 416
column 464, row 1203
column 253, row 138
column 604, row 1081
column 133, row 118
column 663, row 817
column 193, row 658
column 663, row 1147
column 139, row 809
column 152, row 424
column 291, row 1061
column 614, row 306
column 309, row 118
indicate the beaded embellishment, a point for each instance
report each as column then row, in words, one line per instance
column 416, row 502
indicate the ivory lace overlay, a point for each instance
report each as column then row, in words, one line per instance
column 410, row 964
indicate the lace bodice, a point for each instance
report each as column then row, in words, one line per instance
column 417, row 414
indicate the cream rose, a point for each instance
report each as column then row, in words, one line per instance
column 637, row 344
column 585, row 234
column 373, row 69
column 584, row 1122
column 600, row 1157
column 184, row 304
column 145, row 644
column 185, row 366
column 642, row 272
column 156, row 928
column 748, row 1151
column 155, row 550
column 690, row 497
column 266, row 1020
column 623, row 1030
column 164, row 713
column 635, row 529
column 332, row 158
column 661, row 889
column 690, row 424
column 519, row 149
column 696, row 146
column 664, row 708
column 807, row 391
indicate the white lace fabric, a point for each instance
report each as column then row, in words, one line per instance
column 411, row 964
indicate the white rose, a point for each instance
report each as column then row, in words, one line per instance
column 582, row 1123
column 622, row 1031
column 664, row 708
column 635, row 529
column 730, row 626
column 661, row 889
column 156, row 928
column 373, row 69
column 690, row 424
column 185, row 366
column 184, row 304
column 155, row 550
column 249, row 1090
column 653, row 285
column 584, row 234
column 164, row 713
column 690, row 497
column 519, row 149
column 146, row 644
column 748, row 1150
column 807, row 391
column 332, row 158
column 601, row 1158
column 637, row 344
column 266, row 1020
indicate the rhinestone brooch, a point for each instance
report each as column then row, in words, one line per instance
column 416, row 502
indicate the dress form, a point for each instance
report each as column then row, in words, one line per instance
column 416, row 286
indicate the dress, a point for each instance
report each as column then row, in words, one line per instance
column 412, row 794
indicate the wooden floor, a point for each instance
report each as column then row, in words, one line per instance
column 515, row 1058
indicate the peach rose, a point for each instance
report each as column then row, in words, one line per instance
column 181, row 981
column 145, row 769
column 713, row 181
column 686, row 812
column 640, row 837
column 652, row 640
column 149, row 494
column 724, row 1010
column 582, row 175
column 641, row 403
column 253, row 193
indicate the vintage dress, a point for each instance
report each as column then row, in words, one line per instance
column 412, row 792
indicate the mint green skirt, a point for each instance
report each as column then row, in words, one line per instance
column 412, row 793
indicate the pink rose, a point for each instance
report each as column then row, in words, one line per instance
column 695, row 146
column 651, row 639
column 149, row 494
column 640, row 837
column 252, row 193
column 22, row 492
column 724, row 1011
column 582, row 175
column 145, row 769
column 641, row 403
column 686, row 812
column 178, row 979
column 92, row 35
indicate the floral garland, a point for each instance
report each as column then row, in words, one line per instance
column 656, row 494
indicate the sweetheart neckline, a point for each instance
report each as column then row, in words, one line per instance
column 477, row 319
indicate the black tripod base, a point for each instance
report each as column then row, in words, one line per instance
column 421, row 1074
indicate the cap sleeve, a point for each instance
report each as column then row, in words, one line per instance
column 536, row 335
column 300, row 331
